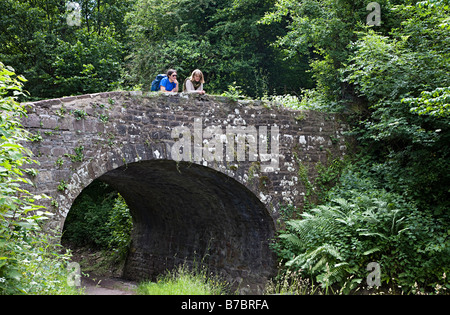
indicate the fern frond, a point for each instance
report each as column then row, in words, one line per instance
column 292, row 239
column 332, row 274
column 343, row 204
column 320, row 264
column 372, row 250
column 320, row 256
column 303, row 229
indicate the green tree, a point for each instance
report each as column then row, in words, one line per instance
column 100, row 219
column 392, row 82
column 222, row 38
column 394, row 78
column 91, row 64
column 321, row 30
column 59, row 59
column 397, row 76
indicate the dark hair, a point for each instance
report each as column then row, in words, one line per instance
column 170, row 71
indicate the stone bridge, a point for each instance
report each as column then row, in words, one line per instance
column 204, row 176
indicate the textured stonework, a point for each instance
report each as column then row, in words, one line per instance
column 200, row 203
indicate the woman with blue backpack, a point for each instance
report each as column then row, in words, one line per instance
column 168, row 83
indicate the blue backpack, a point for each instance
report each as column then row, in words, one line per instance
column 157, row 81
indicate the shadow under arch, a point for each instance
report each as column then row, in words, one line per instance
column 185, row 213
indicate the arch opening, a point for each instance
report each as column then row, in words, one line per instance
column 97, row 230
column 185, row 213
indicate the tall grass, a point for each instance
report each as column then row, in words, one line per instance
column 184, row 281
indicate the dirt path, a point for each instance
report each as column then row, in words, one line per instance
column 108, row 286
column 99, row 275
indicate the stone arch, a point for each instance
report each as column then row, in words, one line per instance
column 185, row 213
column 103, row 160
column 108, row 159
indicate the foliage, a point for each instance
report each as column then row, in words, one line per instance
column 59, row 59
column 184, row 281
column 394, row 83
column 222, row 38
column 321, row 30
column 99, row 218
column 120, row 225
column 404, row 81
column 334, row 242
column 29, row 262
column 91, row 63
column 43, row 269
column 286, row 100
column 392, row 205
column 86, row 221
column 433, row 103
column 234, row 92
column 289, row 282
column 317, row 187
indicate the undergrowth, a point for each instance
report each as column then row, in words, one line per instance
column 184, row 281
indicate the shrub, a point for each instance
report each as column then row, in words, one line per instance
column 98, row 218
column 29, row 262
column 333, row 243
column 120, row 225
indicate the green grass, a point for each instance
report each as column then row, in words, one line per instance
column 183, row 281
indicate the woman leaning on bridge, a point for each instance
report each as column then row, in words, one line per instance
column 170, row 82
column 194, row 84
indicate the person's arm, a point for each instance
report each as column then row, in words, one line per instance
column 189, row 86
column 162, row 87
column 201, row 91
column 175, row 89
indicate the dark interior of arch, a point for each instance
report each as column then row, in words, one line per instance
column 185, row 213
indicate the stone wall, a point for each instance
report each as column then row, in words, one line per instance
column 191, row 193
